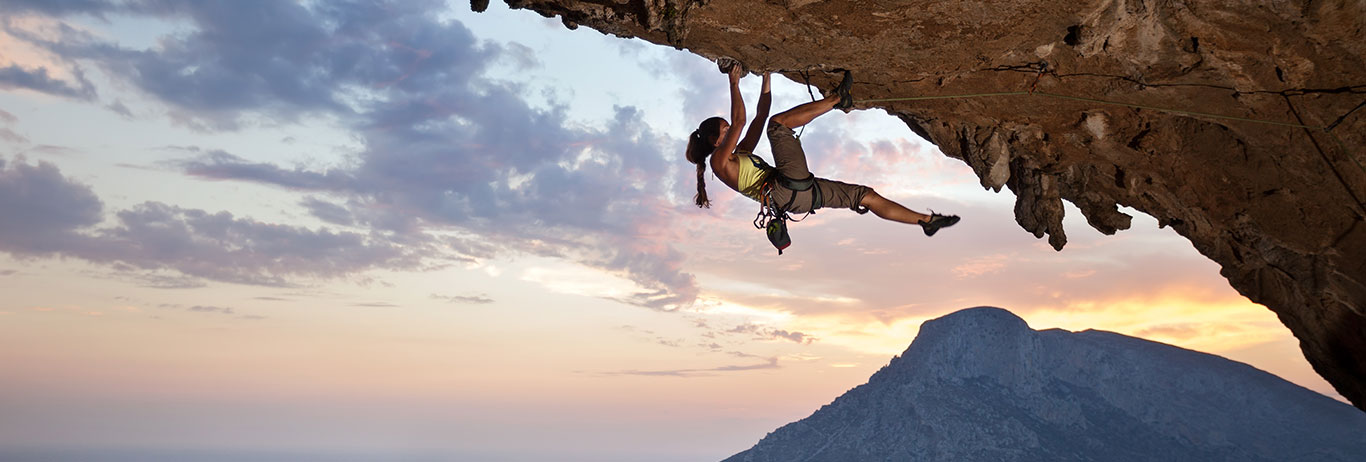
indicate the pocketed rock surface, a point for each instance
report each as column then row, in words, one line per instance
column 1279, row 207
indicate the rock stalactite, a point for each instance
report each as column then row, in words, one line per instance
column 1238, row 123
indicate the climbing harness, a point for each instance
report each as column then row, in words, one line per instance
column 773, row 218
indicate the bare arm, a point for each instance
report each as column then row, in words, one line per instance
column 760, row 118
column 726, row 151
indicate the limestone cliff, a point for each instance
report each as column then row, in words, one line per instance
column 1276, row 200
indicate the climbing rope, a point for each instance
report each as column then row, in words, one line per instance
column 1042, row 70
column 1328, row 130
column 1093, row 100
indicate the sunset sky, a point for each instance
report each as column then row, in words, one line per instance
column 348, row 229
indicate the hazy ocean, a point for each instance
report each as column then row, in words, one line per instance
column 243, row 455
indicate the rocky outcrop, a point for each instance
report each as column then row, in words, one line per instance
column 980, row 385
column 1240, row 124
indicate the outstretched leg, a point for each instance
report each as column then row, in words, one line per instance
column 889, row 210
column 893, row 211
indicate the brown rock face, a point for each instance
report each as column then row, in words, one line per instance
column 1277, row 199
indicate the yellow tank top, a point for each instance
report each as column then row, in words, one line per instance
column 753, row 171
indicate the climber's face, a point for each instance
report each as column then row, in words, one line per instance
column 721, row 134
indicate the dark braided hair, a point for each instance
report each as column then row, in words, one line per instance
column 700, row 145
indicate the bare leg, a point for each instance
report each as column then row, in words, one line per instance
column 888, row 210
column 805, row 113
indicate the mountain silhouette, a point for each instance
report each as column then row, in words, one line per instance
column 980, row 385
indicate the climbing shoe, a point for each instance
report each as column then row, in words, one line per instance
column 937, row 221
column 846, row 100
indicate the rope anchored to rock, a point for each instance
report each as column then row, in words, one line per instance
column 1097, row 101
column 1309, row 129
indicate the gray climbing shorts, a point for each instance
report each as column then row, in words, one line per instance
column 790, row 161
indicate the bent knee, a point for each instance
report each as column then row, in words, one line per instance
column 869, row 196
column 778, row 131
column 780, row 118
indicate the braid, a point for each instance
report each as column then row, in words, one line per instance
column 701, row 198
column 699, row 148
column 696, row 155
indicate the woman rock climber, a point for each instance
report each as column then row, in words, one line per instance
column 733, row 160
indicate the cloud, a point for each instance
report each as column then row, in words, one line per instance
column 211, row 309
column 52, row 150
column 38, row 80
column 43, row 210
column 668, row 342
column 46, row 214
column 222, row 247
column 1178, row 330
column 375, row 305
column 119, row 108
column 521, row 57
column 979, row 266
column 157, row 280
column 7, row 117
column 481, row 299
column 772, row 363
column 10, row 136
column 328, row 212
column 704, row 89
column 769, row 333
column 279, row 59
column 220, row 165
column 55, row 7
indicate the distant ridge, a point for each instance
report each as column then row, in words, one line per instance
column 980, row 385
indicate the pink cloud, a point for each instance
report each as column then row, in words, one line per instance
column 980, row 266
column 894, row 272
